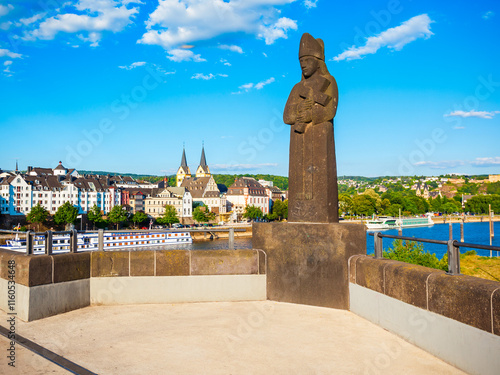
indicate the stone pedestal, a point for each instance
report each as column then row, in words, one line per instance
column 307, row 263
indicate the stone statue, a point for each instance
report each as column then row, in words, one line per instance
column 310, row 109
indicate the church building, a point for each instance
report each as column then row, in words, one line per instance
column 202, row 186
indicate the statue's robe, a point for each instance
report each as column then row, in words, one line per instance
column 313, row 191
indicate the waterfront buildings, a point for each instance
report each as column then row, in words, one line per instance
column 51, row 188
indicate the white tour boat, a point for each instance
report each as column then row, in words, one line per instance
column 385, row 223
column 111, row 241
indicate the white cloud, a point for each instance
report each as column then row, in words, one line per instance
column 246, row 86
column 4, row 9
column 479, row 114
column 12, row 55
column 178, row 55
column 225, row 62
column 486, row 162
column 488, row 15
column 176, row 22
column 232, row 48
column 93, row 38
column 258, row 86
column 5, row 25
column 208, row 77
column 127, row 2
column 440, row 164
column 98, row 16
column 395, row 38
column 7, row 72
column 133, row 65
column 30, row 20
column 278, row 30
column 310, row 3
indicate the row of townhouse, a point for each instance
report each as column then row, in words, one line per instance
column 51, row 188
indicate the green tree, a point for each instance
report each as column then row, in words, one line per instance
column 117, row 215
column 253, row 212
column 169, row 216
column 95, row 215
column 451, row 207
column 139, row 217
column 493, row 188
column 413, row 252
column 202, row 215
column 199, row 215
column 393, row 210
column 479, row 204
column 66, row 214
column 345, row 203
column 37, row 215
column 280, row 210
column 435, row 204
column 364, row 204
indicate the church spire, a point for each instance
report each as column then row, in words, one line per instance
column 203, row 170
column 183, row 171
column 203, row 160
column 183, row 160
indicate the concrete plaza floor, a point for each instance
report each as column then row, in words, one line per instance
column 218, row 338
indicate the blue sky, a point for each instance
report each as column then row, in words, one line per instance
column 121, row 85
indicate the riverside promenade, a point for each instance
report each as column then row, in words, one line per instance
column 261, row 337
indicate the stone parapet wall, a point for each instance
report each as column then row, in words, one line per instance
column 466, row 299
column 50, row 278
column 37, row 270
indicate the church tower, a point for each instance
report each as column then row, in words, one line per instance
column 203, row 170
column 183, row 171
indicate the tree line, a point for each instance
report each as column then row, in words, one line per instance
column 392, row 202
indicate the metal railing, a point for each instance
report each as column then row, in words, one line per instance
column 453, row 248
column 73, row 244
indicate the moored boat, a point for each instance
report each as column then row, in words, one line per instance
column 111, row 241
column 385, row 223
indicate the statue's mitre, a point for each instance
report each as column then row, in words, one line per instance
column 311, row 47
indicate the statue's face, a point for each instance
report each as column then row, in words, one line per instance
column 309, row 65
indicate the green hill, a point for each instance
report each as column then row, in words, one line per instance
column 226, row 179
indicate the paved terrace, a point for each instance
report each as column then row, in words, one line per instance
column 261, row 337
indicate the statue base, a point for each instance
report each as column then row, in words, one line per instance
column 307, row 263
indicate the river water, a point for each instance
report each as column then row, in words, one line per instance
column 476, row 233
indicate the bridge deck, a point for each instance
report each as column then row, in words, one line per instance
column 219, row 338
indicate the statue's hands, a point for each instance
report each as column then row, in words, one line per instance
column 304, row 110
